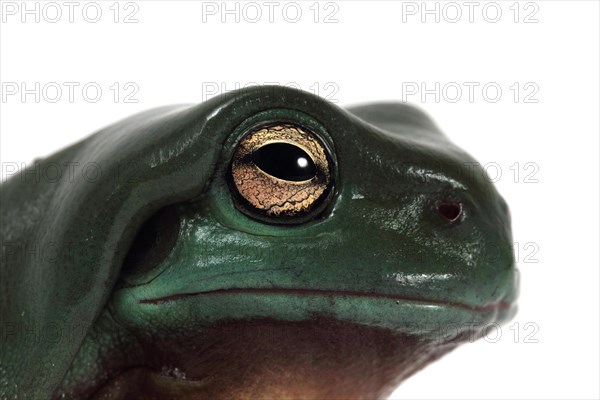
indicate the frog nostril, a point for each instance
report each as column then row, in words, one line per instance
column 450, row 210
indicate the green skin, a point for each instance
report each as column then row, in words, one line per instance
column 347, row 304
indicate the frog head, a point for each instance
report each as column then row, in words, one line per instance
column 324, row 252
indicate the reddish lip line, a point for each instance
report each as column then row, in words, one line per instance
column 332, row 293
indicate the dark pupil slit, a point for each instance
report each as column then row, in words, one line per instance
column 450, row 210
column 285, row 161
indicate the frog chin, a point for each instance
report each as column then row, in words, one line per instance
column 261, row 344
column 272, row 359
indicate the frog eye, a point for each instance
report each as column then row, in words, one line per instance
column 281, row 173
column 451, row 211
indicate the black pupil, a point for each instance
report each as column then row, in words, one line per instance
column 285, row 161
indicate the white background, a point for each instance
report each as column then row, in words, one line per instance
column 357, row 52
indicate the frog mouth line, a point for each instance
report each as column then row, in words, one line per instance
column 499, row 305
